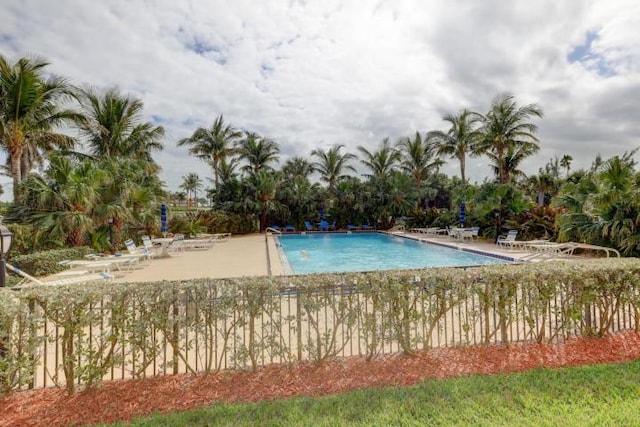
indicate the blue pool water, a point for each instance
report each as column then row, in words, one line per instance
column 325, row 253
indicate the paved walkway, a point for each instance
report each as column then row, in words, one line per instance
column 239, row 256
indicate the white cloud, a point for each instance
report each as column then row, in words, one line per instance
column 315, row 73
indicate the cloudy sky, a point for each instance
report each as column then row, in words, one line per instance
column 311, row 74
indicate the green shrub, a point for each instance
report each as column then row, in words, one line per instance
column 246, row 322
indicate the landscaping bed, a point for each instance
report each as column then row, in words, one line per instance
column 124, row 400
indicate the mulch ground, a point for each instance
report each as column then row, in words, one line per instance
column 124, row 400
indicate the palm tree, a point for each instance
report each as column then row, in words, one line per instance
column 332, row 165
column 60, row 204
column 258, row 152
column 510, row 162
column 419, row 158
column 191, row 183
column 29, row 111
column 460, row 139
column 297, row 167
column 264, row 185
column 506, row 126
column 565, row 162
column 381, row 162
column 212, row 145
column 113, row 126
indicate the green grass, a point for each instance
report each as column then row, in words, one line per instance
column 602, row 395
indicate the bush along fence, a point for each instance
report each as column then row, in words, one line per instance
column 78, row 336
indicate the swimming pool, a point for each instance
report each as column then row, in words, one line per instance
column 341, row 252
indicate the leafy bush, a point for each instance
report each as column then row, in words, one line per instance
column 208, row 325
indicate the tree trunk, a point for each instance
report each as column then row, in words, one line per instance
column 16, row 154
column 462, row 168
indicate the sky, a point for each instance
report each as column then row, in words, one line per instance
column 311, row 74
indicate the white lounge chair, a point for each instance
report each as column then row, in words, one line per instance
column 134, row 250
column 508, row 240
column 86, row 277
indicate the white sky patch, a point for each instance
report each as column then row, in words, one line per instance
column 311, row 74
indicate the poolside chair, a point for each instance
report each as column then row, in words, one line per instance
column 135, row 250
column 332, row 226
column 366, row 227
column 198, row 244
column 148, row 244
column 66, row 280
column 289, row 227
column 308, row 226
column 508, row 240
column 351, row 227
column 324, row 226
column 275, row 227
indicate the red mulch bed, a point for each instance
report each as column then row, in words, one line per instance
column 124, row 400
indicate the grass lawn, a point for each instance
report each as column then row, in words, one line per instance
column 602, row 395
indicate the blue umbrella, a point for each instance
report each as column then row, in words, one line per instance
column 462, row 216
column 163, row 220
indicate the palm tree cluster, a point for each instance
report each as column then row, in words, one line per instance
column 81, row 164
column 398, row 179
column 104, row 182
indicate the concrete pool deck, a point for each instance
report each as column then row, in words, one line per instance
column 247, row 255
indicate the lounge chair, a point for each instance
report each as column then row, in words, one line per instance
column 289, row 227
column 324, row 226
column 366, row 227
column 308, row 226
column 62, row 280
column 198, row 244
column 508, row 240
column 275, row 227
column 332, row 226
column 351, row 227
column 134, row 250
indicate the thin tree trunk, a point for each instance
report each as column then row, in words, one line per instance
column 462, row 168
column 16, row 154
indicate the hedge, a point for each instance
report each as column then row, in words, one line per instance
column 208, row 325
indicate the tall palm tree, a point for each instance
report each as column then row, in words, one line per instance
column 258, row 152
column 506, row 126
column 511, row 161
column 191, row 183
column 381, row 162
column 213, row 144
column 420, row 158
column 461, row 138
column 565, row 162
column 332, row 165
column 297, row 167
column 264, row 184
column 30, row 108
column 114, row 128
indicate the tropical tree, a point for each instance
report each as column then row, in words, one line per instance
column 213, row 145
column 511, row 161
column 332, row 165
column 113, row 126
column 30, row 109
column 381, row 162
column 505, row 128
column 461, row 138
column 419, row 158
column 264, row 185
column 259, row 153
column 565, row 162
column 191, row 183
column 297, row 167
column 60, row 204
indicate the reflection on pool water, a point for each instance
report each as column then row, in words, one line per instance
column 340, row 252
